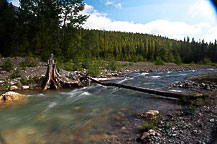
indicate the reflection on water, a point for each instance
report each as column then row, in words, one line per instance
column 83, row 115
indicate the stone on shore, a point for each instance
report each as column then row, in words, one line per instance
column 152, row 114
column 25, row 87
column 10, row 96
column 13, row 88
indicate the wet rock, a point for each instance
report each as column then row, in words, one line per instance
column 25, row 87
column 13, row 88
column 10, row 96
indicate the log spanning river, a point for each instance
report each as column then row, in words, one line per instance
column 84, row 115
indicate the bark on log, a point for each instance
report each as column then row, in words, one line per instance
column 150, row 91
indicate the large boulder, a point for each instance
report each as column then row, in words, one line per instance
column 10, row 96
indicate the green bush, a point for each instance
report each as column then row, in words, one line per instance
column 93, row 70
column 178, row 60
column 16, row 74
column 28, row 63
column 33, row 80
column 85, row 64
column 77, row 66
column 159, row 61
column 112, row 66
column 8, row 65
column 148, row 125
column 68, row 66
column 205, row 61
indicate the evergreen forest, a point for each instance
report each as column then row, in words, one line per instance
column 39, row 28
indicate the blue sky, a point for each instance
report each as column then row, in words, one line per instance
column 172, row 18
column 143, row 11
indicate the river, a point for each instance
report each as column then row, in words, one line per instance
column 81, row 115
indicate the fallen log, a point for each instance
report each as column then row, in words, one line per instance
column 56, row 80
column 151, row 91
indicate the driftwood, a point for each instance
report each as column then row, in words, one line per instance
column 65, row 79
column 56, row 80
column 150, row 91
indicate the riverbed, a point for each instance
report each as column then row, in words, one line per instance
column 86, row 115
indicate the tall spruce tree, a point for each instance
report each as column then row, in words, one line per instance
column 46, row 22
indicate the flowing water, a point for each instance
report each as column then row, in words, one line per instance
column 80, row 115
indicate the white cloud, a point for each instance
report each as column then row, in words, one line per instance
column 118, row 5
column 202, row 11
column 109, row 2
column 171, row 29
column 115, row 3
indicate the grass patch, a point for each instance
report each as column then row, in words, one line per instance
column 147, row 125
column 15, row 74
column 8, row 65
column 31, row 81
column 28, row 63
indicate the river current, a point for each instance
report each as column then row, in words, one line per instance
column 80, row 115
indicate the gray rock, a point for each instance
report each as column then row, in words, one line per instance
column 212, row 120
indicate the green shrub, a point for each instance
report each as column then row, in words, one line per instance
column 178, row 60
column 205, row 61
column 112, row 66
column 148, row 125
column 77, row 66
column 28, row 63
column 159, row 61
column 85, row 64
column 68, row 66
column 33, row 80
column 16, row 74
column 93, row 70
column 8, row 65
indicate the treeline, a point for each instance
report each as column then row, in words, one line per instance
column 39, row 28
column 142, row 47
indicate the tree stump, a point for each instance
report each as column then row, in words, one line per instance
column 57, row 81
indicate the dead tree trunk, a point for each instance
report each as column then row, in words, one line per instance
column 51, row 77
column 55, row 80
column 151, row 91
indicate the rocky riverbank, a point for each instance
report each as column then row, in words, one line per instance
column 29, row 72
column 193, row 123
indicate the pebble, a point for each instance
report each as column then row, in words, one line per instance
column 212, row 120
column 173, row 134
